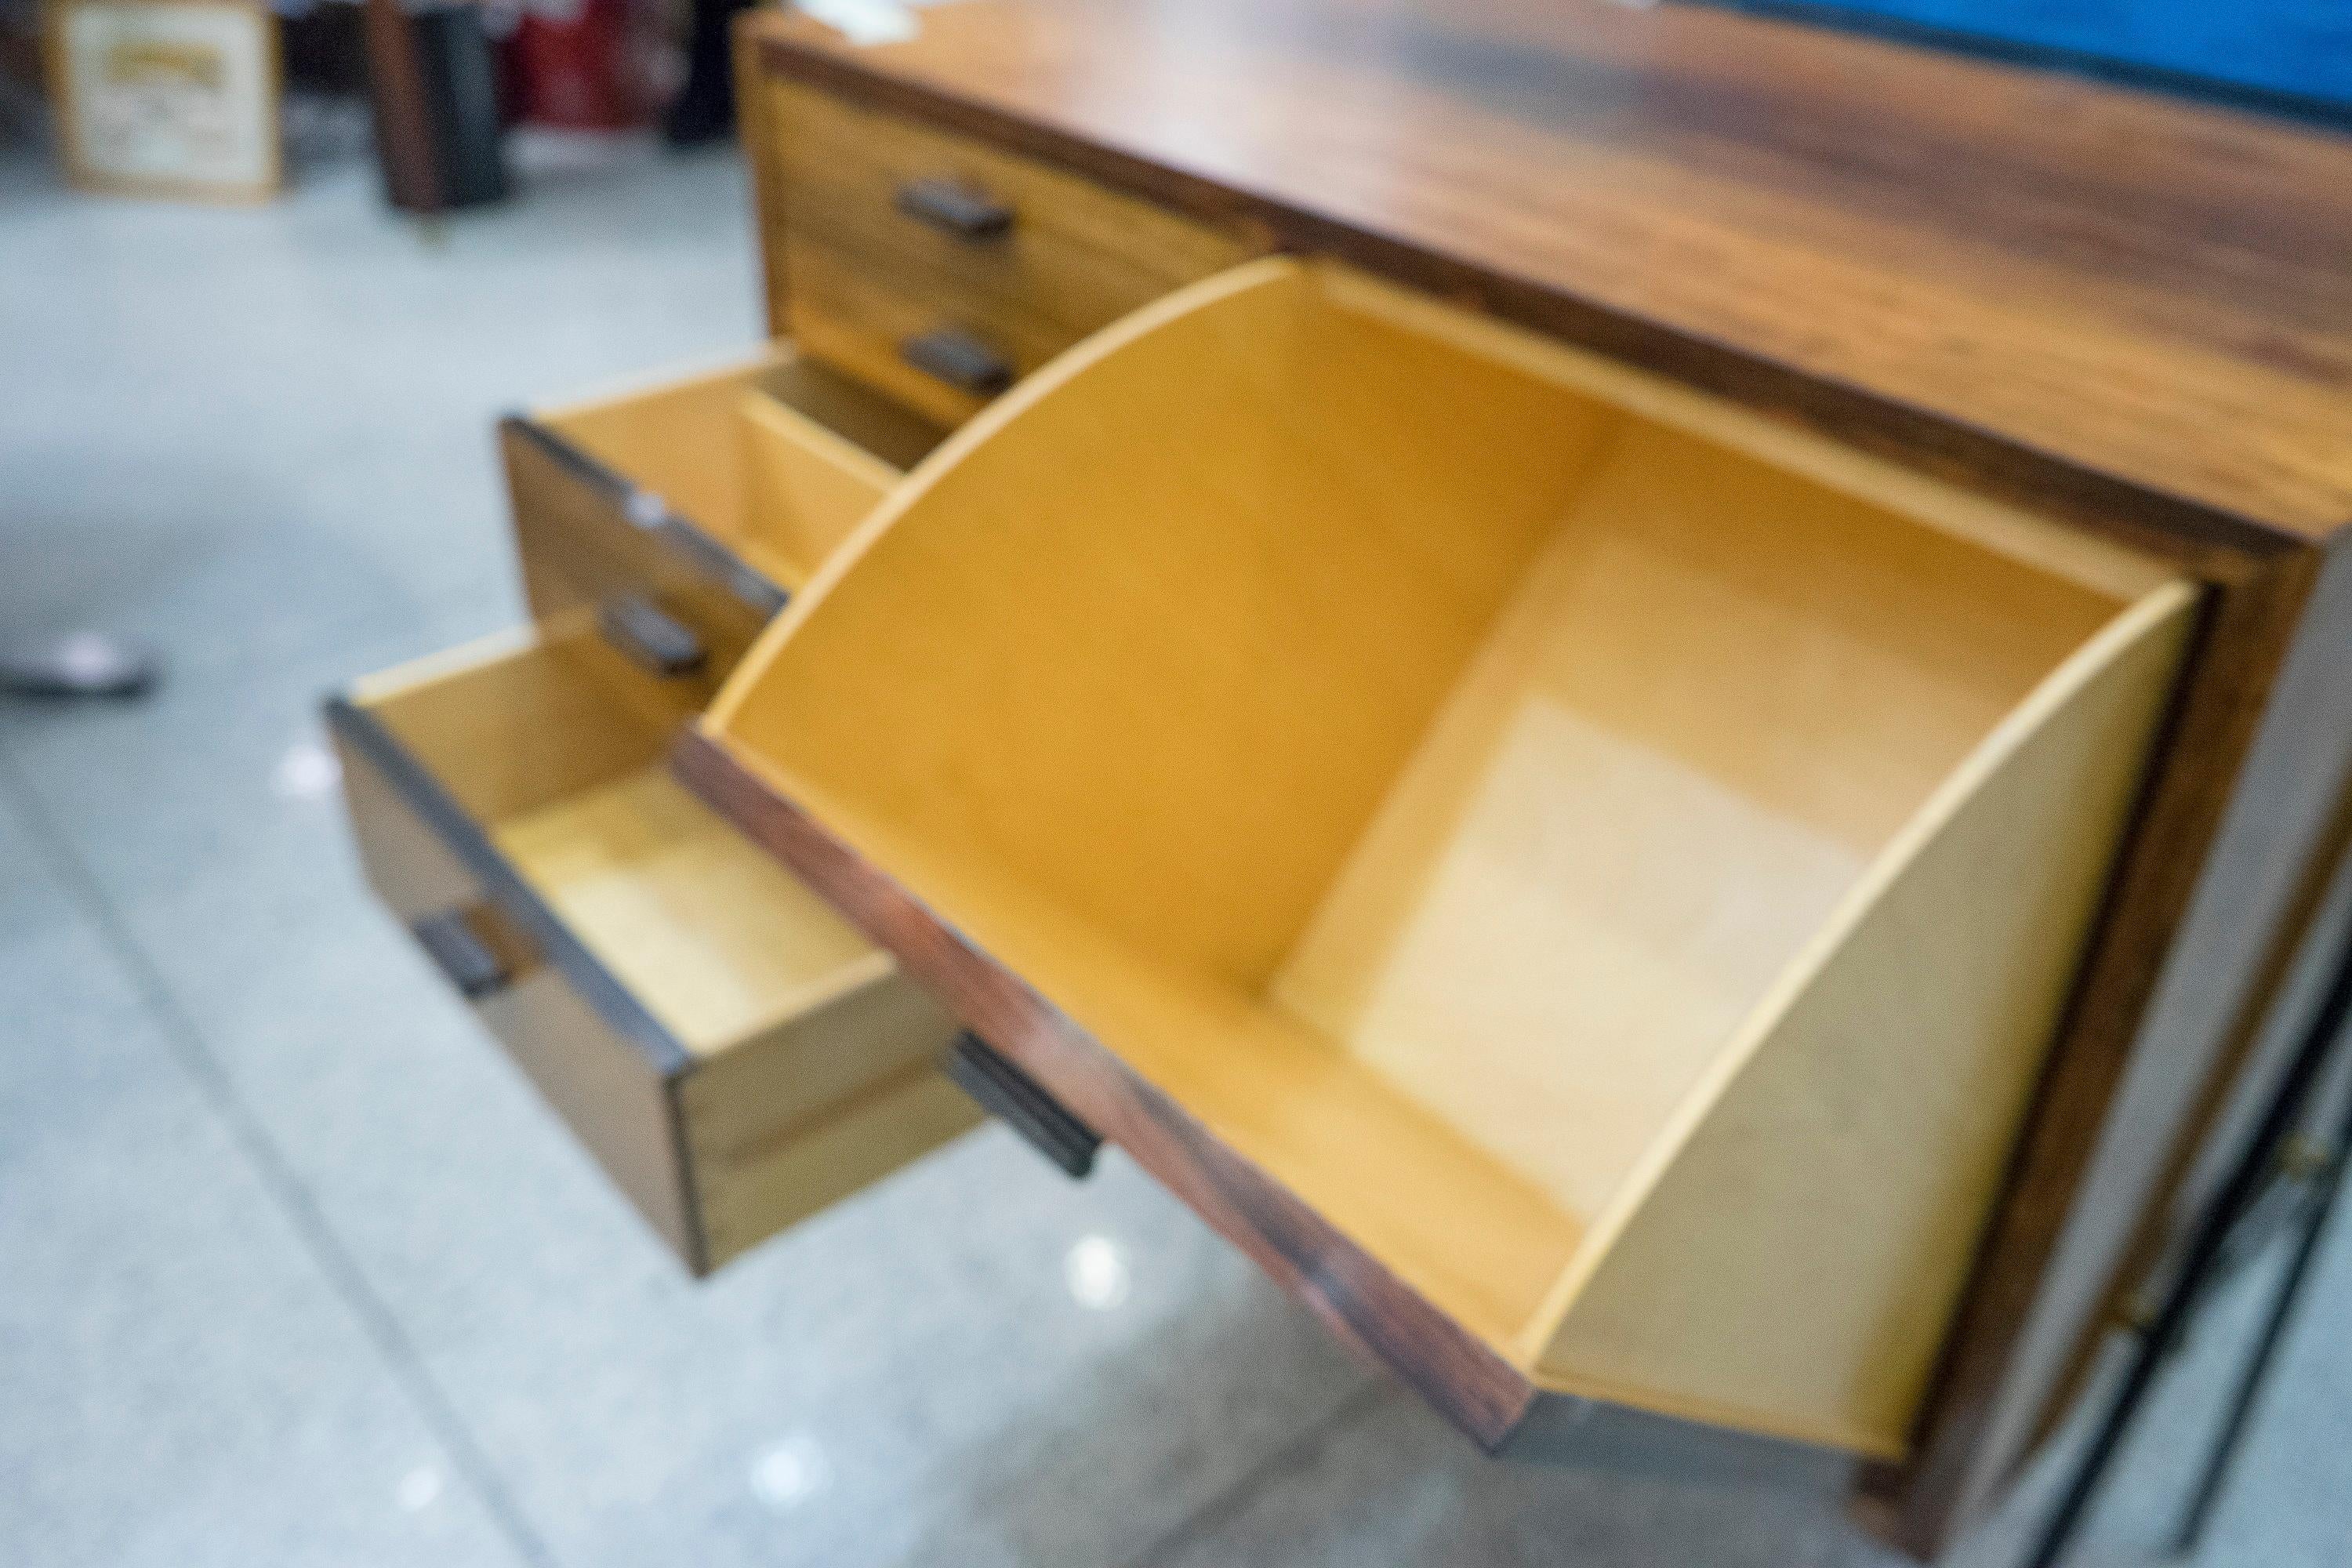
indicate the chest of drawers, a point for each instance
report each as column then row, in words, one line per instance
column 1612, row 763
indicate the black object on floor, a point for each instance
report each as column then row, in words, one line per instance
column 84, row 664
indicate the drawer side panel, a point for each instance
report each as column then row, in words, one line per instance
column 1794, row 1269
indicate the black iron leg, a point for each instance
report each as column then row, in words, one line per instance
column 2207, row 1245
column 2326, row 1184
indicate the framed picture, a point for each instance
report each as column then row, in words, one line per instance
column 167, row 98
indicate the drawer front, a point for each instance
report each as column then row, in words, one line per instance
column 592, row 544
column 931, row 349
column 429, row 864
column 951, row 235
column 719, row 1142
column 776, row 1136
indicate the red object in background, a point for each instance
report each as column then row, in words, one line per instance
column 580, row 66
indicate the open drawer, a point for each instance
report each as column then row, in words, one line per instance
column 700, row 502
column 1578, row 879
column 734, row 1055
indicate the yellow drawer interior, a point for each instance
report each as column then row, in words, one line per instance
column 778, row 457
column 712, row 937
column 1619, row 861
column 554, row 746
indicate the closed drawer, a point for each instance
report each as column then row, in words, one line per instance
column 892, row 231
column 923, row 347
column 706, row 499
column 733, row 1054
column 1581, row 880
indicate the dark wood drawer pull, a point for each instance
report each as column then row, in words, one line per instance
column 650, row 637
column 960, row 360
column 1013, row 1097
column 956, row 208
column 457, row 950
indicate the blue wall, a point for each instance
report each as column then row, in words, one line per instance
column 2301, row 49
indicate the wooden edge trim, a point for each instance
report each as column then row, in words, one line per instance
column 1361, row 1301
column 1927, row 1502
column 699, row 1263
column 644, row 512
column 2208, row 539
column 755, row 133
column 414, row 782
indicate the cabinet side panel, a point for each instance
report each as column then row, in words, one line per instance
column 756, row 131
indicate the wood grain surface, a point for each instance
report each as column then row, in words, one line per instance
column 866, row 276
column 2138, row 307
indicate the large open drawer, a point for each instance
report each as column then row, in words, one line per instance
column 1580, row 880
column 733, row 1054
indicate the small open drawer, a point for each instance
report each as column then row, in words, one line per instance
column 734, row 1055
column 1576, row 877
column 703, row 501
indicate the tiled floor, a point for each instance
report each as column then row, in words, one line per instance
column 294, row 1270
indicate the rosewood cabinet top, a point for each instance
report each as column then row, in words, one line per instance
column 2132, row 309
